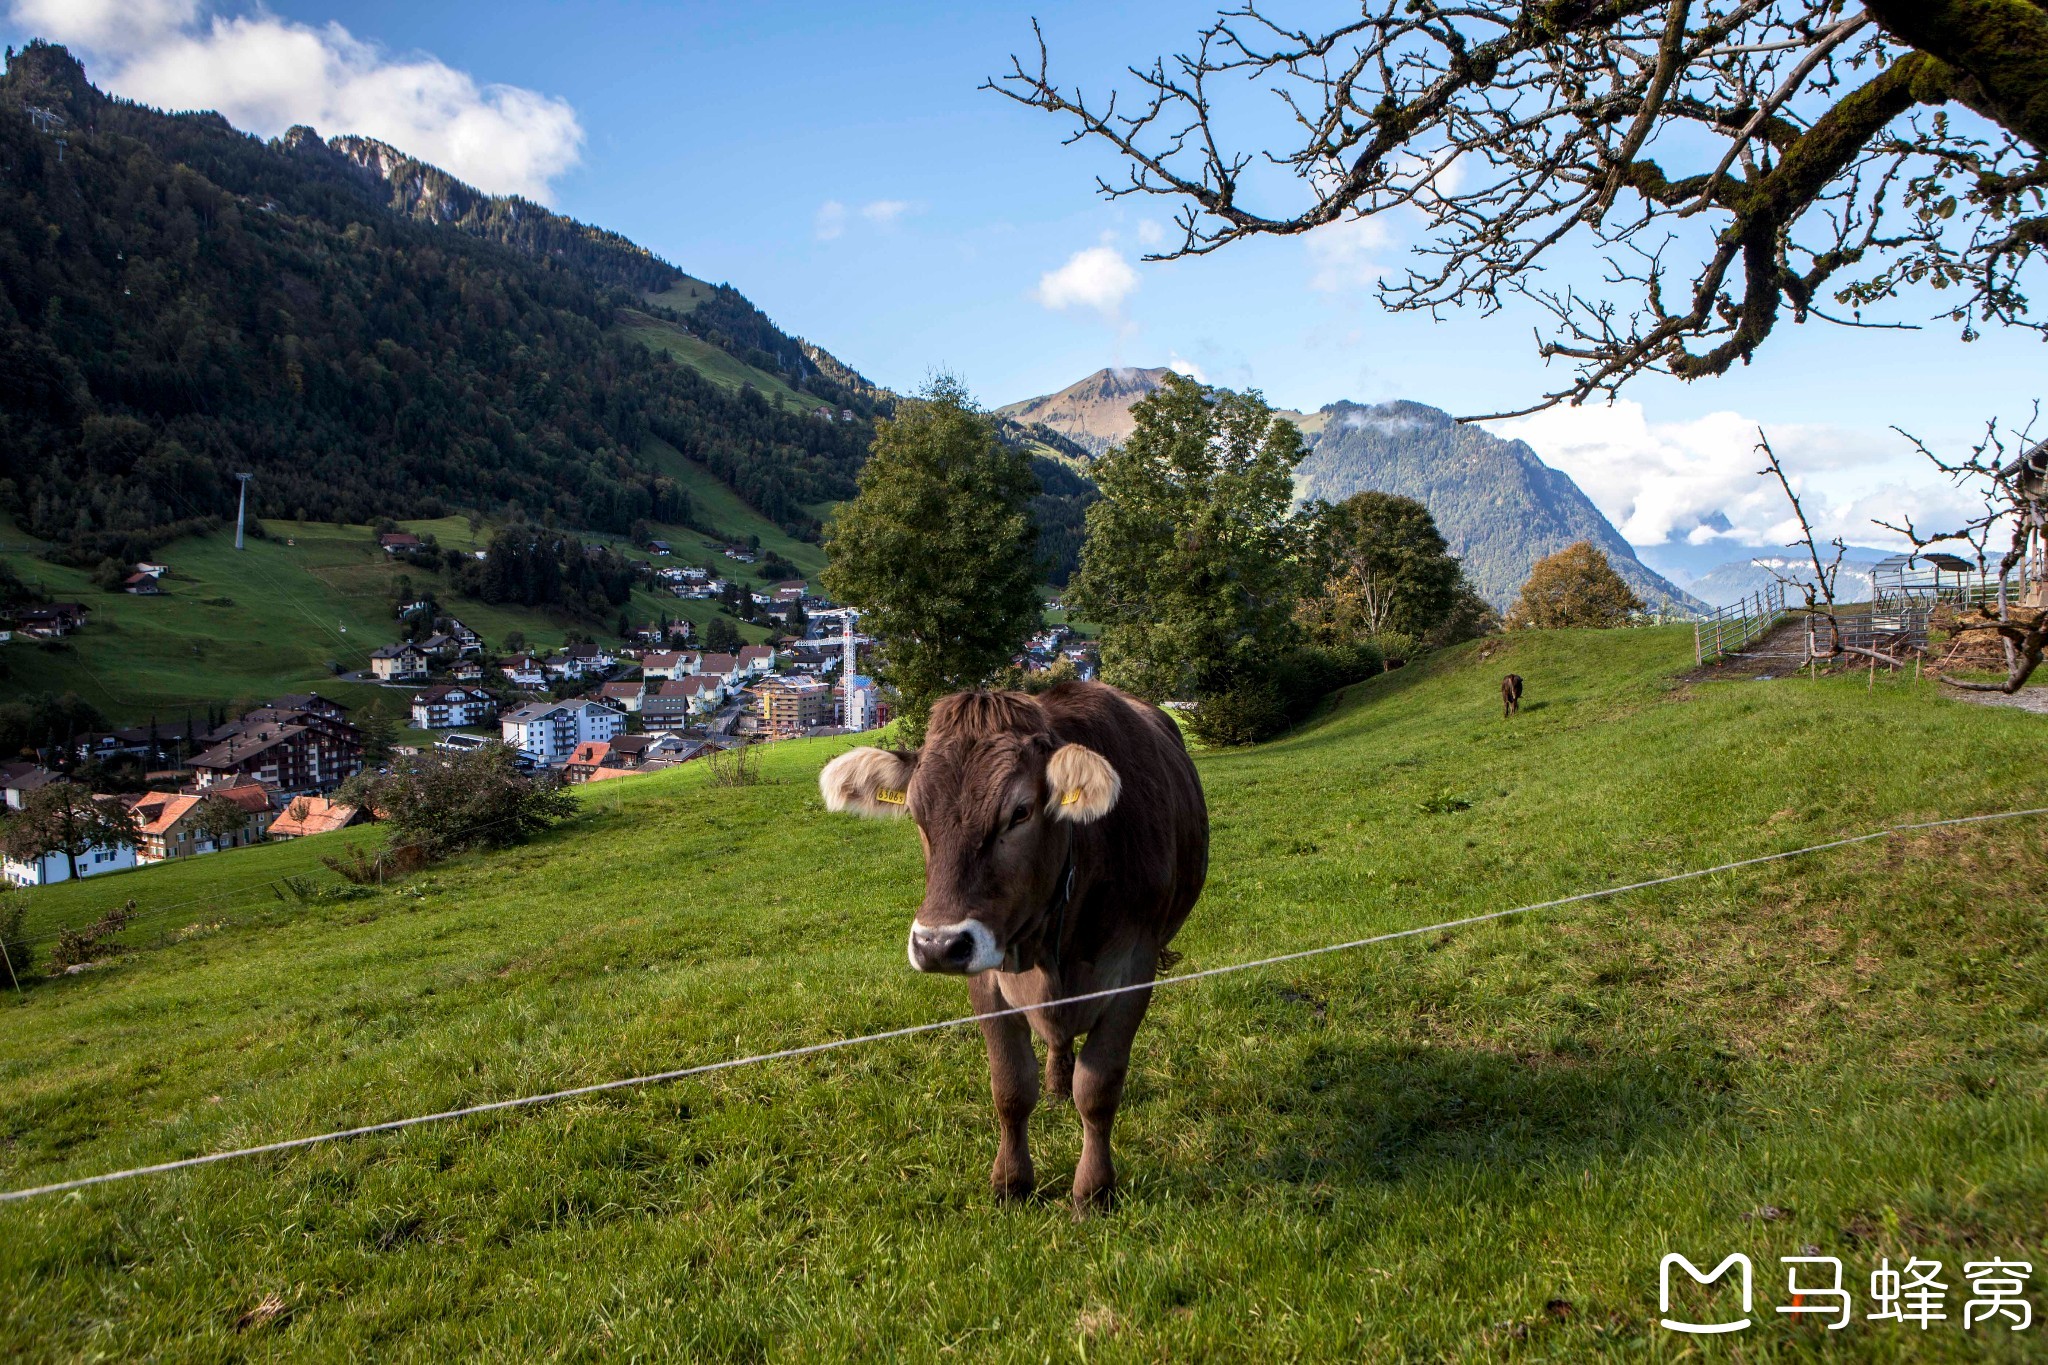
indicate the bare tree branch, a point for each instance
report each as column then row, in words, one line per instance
column 1734, row 162
column 2014, row 493
column 1819, row 591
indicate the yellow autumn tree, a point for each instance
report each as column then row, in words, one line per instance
column 1574, row 587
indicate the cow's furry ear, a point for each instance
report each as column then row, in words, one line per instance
column 867, row 781
column 1084, row 786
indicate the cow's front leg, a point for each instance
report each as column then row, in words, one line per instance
column 1098, row 1090
column 1059, row 1068
column 1013, row 1078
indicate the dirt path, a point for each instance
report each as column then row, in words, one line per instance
column 1776, row 655
column 2033, row 699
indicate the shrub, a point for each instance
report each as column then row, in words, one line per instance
column 360, row 868
column 1306, row 675
column 20, row 953
column 1244, row 713
column 1043, row 680
column 76, row 947
column 1255, row 708
column 739, row 766
column 438, row 803
column 306, row 891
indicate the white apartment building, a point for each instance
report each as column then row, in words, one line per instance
column 549, row 731
column 55, row 867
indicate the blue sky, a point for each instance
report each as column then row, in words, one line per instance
column 838, row 165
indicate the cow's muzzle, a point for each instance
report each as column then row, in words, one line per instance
column 960, row 948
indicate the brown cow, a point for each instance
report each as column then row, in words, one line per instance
column 1065, row 841
column 1510, row 694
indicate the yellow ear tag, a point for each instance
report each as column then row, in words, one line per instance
column 889, row 796
column 1070, row 798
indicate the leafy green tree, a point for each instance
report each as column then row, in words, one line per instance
column 1191, row 564
column 1574, row 587
column 1380, row 567
column 1470, row 617
column 39, row 720
column 378, row 733
column 67, row 818
column 722, row 636
column 939, row 550
column 13, row 591
column 218, row 819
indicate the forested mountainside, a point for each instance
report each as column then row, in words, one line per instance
column 718, row 313
column 180, row 301
column 1500, row 507
column 1064, row 492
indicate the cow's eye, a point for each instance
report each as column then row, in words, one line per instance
column 1021, row 814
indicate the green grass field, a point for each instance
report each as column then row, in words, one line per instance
column 1467, row 1145
column 244, row 627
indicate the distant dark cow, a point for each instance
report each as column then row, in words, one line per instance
column 1065, row 841
column 1510, row 694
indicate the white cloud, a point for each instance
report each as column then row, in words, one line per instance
column 1096, row 277
column 101, row 25
column 1346, row 254
column 265, row 73
column 1179, row 364
column 830, row 221
column 1698, row 481
column 1150, row 233
column 834, row 216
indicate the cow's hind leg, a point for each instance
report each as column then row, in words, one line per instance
column 1013, row 1078
column 1098, row 1090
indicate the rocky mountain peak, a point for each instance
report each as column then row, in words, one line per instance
column 1094, row 412
column 45, row 77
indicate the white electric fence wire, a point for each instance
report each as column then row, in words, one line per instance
column 911, row 1031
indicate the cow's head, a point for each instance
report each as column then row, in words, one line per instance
column 995, row 798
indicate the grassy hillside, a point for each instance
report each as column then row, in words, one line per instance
column 721, row 368
column 1470, row 1145
column 715, row 504
column 682, row 296
column 272, row 618
column 242, row 625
